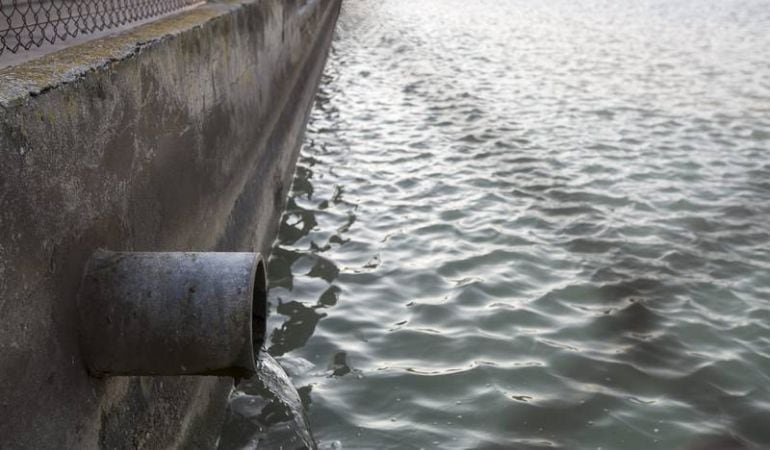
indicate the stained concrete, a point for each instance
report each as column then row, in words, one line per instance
column 180, row 135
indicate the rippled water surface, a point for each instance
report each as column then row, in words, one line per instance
column 529, row 223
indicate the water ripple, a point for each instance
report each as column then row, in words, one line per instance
column 529, row 224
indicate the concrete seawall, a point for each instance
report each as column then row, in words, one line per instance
column 177, row 135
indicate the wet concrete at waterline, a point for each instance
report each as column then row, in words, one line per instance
column 531, row 224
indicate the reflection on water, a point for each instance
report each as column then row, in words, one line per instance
column 529, row 224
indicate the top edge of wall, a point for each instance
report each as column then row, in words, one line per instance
column 33, row 77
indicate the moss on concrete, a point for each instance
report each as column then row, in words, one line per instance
column 64, row 66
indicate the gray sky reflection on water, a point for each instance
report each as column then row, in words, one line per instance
column 531, row 224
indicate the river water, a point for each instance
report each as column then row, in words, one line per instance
column 528, row 223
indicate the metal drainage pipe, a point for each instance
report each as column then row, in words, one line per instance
column 172, row 313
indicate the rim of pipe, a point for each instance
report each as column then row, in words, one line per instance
column 258, row 307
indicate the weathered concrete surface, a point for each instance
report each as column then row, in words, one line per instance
column 180, row 135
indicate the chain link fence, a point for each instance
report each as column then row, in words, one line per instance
column 25, row 24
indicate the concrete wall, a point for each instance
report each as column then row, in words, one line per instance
column 177, row 135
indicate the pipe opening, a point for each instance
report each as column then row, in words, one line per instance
column 259, row 306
